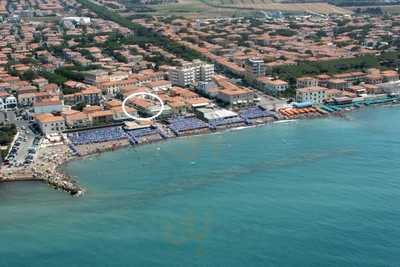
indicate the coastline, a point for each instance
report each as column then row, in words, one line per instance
column 49, row 165
column 46, row 169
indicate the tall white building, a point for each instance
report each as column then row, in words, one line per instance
column 255, row 67
column 190, row 73
column 206, row 72
column 183, row 75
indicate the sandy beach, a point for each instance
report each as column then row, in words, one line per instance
column 51, row 157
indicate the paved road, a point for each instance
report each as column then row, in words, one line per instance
column 25, row 145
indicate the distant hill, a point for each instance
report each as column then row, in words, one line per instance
column 345, row 2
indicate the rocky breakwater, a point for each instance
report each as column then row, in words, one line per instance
column 60, row 181
column 47, row 168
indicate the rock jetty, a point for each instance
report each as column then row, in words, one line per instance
column 46, row 168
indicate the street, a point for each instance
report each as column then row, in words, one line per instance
column 22, row 152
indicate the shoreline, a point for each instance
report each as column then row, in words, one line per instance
column 46, row 169
column 49, row 165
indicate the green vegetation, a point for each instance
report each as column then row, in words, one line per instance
column 143, row 35
column 61, row 75
column 346, row 29
column 74, row 72
column 377, row 11
column 284, row 32
column 86, row 53
column 53, row 77
column 29, row 75
column 7, row 134
column 160, row 59
column 290, row 72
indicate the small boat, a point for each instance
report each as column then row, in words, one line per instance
column 284, row 121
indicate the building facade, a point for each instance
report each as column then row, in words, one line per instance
column 315, row 95
column 255, row 67
column 188, row 74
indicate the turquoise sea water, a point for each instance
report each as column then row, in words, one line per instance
column 321, row 192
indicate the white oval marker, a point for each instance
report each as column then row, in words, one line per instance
column 138, row 94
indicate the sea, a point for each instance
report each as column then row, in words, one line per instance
column 321, row 192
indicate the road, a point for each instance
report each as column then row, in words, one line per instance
column 26, row 138
column 25, row 145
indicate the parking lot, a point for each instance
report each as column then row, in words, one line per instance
column 24, row 149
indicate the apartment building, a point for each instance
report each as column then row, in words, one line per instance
column 232, row 94
column 304, row 82
column 182, row 76
column 49, row 123
column 339, row 84
column 255, row 67
column 190, row 73
column 272, row 86
column 390, row 76
column 76, row 119
column 96, row 76
column 48, row 106
column 237, row 97
column 315, row 95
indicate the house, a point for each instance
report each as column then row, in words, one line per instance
column 100, row 117
column 339, row 84
column 40, row 82
column 390, row 76
column 161, row 85
column 374, row 79
column 91, row 109
column 333, row 93
column 303, row 82
column 236, row 97
column 119, row 114
column 26, row 99
column 314, row 95
column 323, row 80
column 197, row 102
column 76, row 119
column 353, row 77
column 178, row 107
column 96, row 76
column 91, row 95
column 208, row 88
column 48, row 106
column 272, row 86
column 112, row 104
column 49, row 124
